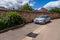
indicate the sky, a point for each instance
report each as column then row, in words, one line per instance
column 36, row 4
column 41, row 3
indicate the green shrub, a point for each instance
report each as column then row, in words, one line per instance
column 10, row 19
column 2, row 25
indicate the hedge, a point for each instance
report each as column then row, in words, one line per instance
column 10, row 19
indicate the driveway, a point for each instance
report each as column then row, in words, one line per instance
column 19, row 33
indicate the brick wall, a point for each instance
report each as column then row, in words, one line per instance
column 30, row 15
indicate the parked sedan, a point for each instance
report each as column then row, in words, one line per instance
column 42, row 19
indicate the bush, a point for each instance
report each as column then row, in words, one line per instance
column 2, row 25
column 10, row 19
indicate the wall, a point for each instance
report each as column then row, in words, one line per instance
column 30, row 15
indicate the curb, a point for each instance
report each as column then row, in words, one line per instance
column 11, row 28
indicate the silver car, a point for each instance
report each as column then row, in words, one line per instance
column 42, row 19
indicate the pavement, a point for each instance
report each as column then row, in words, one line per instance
column 50, row 31
column 19, row 33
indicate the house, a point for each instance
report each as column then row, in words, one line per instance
column 3, row 8
column 43, row 10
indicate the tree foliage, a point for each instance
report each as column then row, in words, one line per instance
column 26, row 7
column 55, row 9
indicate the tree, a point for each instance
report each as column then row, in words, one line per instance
column 26, row 7
column 55, row 9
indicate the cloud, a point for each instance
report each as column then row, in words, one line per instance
column 32, row 3
column 52, row 4
column 39, row 8
column 10, row 4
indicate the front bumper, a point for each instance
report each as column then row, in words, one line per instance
column 39, row 22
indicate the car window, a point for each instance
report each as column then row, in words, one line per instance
column 46, row 16
column 43, row 16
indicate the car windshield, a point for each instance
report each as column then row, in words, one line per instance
column 43, row 16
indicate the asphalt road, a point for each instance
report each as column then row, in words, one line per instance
column 50, row 32
column 20, row 33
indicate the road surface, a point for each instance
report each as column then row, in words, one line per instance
column 20, row 33
column 50, row 31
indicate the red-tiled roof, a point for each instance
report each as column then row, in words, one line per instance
column 43, row 10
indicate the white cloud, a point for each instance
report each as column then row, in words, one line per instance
column 32, row 3
column 52, row 4
column 10, row 4
column 39, row 8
